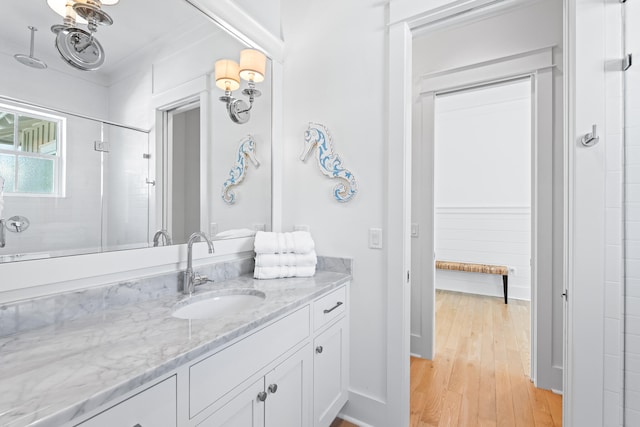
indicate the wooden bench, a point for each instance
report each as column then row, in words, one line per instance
column 478, row 268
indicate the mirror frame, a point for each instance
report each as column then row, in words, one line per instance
column 29, row 279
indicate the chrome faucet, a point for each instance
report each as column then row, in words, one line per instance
column 161, row 233
column 190, row 278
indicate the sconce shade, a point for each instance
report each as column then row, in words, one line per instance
column 64, row 8
column 252, row 65
column 227, row 75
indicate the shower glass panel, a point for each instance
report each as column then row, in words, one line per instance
column 81, row 183
column 632, row 218
column 59, row 192
column 126, row 191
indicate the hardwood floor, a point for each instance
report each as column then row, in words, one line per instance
column 480, row 375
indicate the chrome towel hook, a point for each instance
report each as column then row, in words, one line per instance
column 591, row 139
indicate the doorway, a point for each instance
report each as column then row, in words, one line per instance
column 536, row 67
column 182, row 171
column 478, row 198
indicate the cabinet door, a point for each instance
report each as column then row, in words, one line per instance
column 289, row 392
column 154, row 407
column 330, row 374
column 244, row 410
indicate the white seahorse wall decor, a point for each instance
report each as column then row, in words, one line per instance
column 246, row 150
column 317, row 135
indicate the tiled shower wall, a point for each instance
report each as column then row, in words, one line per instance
column 632, row 220
column 614, row 284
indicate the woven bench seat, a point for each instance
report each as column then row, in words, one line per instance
column 501, row 270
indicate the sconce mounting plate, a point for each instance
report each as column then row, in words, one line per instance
column 238, row 111
column 80, row 49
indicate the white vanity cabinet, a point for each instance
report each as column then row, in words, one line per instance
column 153, row 407
column 279, row 399
column 330, row 357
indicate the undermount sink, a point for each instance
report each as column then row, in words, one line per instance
column 219, row 303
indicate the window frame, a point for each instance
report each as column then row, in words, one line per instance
column 59, row 164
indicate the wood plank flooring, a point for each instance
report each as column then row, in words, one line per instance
column 480, row 375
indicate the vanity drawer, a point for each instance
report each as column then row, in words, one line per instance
column 215, row 376
column 329, row 307
column 155, row 406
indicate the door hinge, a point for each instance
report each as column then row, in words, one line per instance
column 408, row 276
column 146, row 155
column 102, row 146
column 627, row 62
column 150, row 182
column 565, row 295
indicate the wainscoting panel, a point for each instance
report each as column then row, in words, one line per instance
column 486, row 235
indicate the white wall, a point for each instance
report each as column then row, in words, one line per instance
column 483, row 187
column 334, row 74
column 524, row 28
column 632, row 222
column 267, row 12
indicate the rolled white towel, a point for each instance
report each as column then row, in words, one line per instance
column 268, row 242
column 292, row 259
column 283, row 271
column 234, row 233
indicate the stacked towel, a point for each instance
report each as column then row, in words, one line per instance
column 281, row 255
column 298, row 242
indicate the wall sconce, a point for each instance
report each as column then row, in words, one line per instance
column 228, row 74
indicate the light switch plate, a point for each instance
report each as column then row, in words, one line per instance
column 375, row 238
column 415, row 229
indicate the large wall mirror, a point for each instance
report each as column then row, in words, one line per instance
column 110, row 133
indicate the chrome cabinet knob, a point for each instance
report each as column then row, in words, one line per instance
column 262, row 396
column 319, row 349
column 273, row 388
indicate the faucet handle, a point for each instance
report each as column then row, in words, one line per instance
column 199, row 279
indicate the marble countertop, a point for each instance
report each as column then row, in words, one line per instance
column 54, row 374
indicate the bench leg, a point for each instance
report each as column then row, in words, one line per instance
column 505, row 285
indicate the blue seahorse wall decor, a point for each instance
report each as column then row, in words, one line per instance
column 246, row 150
column 317, row 135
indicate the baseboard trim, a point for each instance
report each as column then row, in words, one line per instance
column 364, row 411
column 353, row 420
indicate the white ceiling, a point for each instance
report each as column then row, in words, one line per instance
column 138, row 25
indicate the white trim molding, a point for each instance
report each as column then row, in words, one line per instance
column 521, row 64
column 398, row 224
column 238, row 23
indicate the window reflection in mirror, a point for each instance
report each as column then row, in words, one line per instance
column 30, row 159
